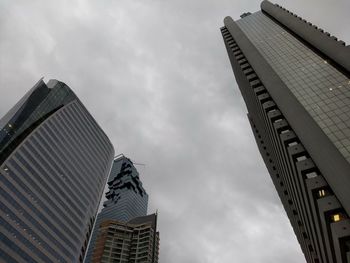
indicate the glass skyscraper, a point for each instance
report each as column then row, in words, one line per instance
column 55, row 160
column 295, row 81
column 126, row 198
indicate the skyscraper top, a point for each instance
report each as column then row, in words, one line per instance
column 134, row 241
column 35, row 106
column 326, row 43
column 125, row 188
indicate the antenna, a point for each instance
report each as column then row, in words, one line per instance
column 134, row 163
column 139, row 164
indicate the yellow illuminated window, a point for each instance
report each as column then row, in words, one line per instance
column 321, row 193
column 336, row 217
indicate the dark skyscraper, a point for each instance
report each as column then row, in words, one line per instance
column 126, row 198
column 54, row 164
column 295, row 81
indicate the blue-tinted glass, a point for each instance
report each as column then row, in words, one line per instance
column 126, row 198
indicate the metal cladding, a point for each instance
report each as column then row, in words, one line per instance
column 55, row 160
column 297, row 91
column 131, row 242
column 126, row 198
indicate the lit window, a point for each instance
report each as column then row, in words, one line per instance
column 336, row 217
column 321, row 193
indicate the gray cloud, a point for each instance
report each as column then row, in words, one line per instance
column 156, row 76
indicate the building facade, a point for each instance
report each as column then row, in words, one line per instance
column 54, row 163
column 136, row 241
column 295, row 81
column 126, row 198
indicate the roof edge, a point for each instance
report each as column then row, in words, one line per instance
column 327, row 44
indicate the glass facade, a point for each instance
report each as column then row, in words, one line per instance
column 126, row 198
column 322, row 89
column 40, row 102
column 52, row 181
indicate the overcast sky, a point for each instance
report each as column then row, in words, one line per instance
column 156, row 76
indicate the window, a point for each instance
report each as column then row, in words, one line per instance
column 321, row 193
column 311, row 175
column 292, row 143
column 301, row 158
column 336, row 217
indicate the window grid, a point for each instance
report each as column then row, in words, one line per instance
column 319, row 87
